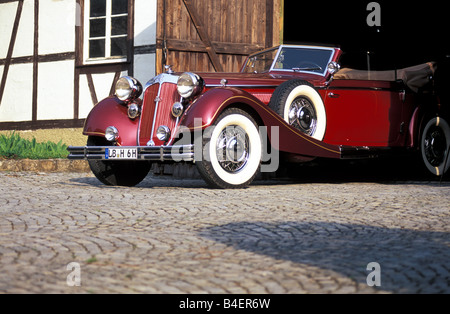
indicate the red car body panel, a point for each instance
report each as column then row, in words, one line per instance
column 108, row 112
column 362, row 117
column 210, row 104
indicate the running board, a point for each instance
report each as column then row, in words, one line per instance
column 364, row 152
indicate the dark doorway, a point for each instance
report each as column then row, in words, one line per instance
column 411, row 32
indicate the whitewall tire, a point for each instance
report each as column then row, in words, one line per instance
column 232, row 151
column 301, row 106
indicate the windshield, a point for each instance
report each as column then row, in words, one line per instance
column 298, row 59
column 261, row 62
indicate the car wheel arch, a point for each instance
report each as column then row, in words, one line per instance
column 213, row 103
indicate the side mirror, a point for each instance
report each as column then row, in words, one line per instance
column 333, row 67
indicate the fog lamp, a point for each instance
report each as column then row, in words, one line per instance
column 111, row 134
column 134, row 110
column 177, row 109
column 163, row 133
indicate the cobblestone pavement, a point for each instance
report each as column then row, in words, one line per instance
column 178, row 236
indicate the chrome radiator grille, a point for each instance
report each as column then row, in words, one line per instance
column 159, row 98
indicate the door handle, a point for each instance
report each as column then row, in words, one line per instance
column 333, row 95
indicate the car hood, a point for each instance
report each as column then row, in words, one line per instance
column 258, row 79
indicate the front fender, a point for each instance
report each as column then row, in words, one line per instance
column 203, row 112
column 112, row 112
column 208, row 107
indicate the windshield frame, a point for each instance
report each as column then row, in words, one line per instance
column 277, row 55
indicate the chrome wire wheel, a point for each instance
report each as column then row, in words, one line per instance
column 301, row 106
column 233, row 149
column 303, row 116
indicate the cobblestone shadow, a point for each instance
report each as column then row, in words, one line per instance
column 149, row 182
column 383, row 170
column 411, row 261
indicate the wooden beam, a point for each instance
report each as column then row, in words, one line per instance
column 42, row 124
column 130, row 37
column 34, row 106
column 219, row 47
column 113, row 85
column 92, row 89
column 160, row 32
column 10, row 48
column 203, row 35
column 269, row 23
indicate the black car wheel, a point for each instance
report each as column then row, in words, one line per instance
column 121, row 173
column 434, row 145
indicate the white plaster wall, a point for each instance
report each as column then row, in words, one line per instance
column 145, row 34
column 102, row 85
column 55, row 90
column 7, row 16
column 144, row 67
column 25, row 33
column 145, row 22
column 56, row 26
column 85, row 101
column 17, row 99
column 57, row 20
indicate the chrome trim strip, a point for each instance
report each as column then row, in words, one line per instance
column 162, row 78
column 280, row 47
column 157, row 100
column 324, row 73
column 244, row 86
column 149, row 153
column 172, row 137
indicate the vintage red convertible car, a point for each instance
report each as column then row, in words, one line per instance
column 288, row 103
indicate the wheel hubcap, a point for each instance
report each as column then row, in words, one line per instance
column 303, row 116
column 233, row 149
column 435, row 146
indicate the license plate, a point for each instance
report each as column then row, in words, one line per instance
column 121, row 153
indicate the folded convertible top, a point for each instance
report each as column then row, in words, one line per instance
column 414, row 77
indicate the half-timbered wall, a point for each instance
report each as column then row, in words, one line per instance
column 46, row 77
column 37, row 56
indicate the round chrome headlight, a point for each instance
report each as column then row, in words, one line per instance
column 163, row 133
column 189, row 84
column 128, row 88
column 111, row 134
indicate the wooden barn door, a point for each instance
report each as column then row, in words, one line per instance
column 214, row 35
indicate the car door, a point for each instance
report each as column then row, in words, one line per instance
column 363, row 113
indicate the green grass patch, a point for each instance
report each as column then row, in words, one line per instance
column 12, row 146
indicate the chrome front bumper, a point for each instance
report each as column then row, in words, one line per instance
column 150, row 153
